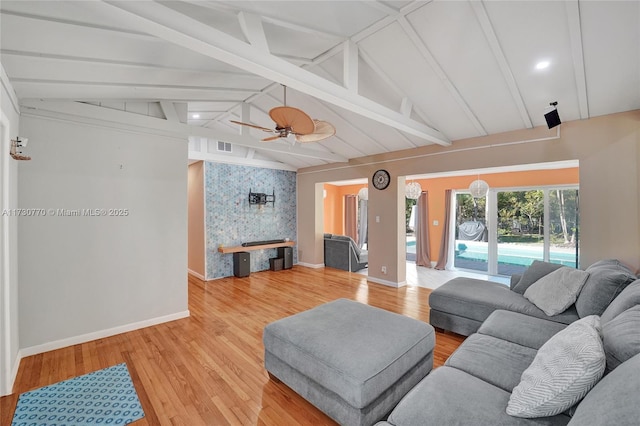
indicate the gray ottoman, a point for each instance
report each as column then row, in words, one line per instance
column 352, row 361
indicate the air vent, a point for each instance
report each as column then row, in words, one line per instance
column 224, row 146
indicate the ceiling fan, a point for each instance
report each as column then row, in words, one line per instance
column 294, row 121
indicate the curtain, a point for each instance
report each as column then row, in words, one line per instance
column 444, row 245
column 350, row 216
column 423, row 257
column 363, row 226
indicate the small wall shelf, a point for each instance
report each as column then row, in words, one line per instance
column 236, row 249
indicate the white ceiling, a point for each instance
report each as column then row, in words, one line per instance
column 416, row 72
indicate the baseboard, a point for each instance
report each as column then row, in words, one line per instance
column 195, row 274
column 12, row 376
column 311, row 265
column 70, row 341
column 387, row 283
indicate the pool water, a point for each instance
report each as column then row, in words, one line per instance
column 514, row 254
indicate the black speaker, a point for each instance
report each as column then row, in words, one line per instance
column 287, row 254
column 553, row 119
column 241, row 264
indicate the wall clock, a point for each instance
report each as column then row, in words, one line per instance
column 381, row 179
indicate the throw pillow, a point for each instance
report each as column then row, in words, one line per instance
column 621, row 337
column 608, row 278
column 565, row 368
column 555, row 292
column 533, row 273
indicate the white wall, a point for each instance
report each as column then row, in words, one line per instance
column 86, row 277
column 9, row 343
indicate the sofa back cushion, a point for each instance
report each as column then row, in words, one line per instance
column 621, row 337
column 628, row 298
column 614, row 400
column 533, row 273
column 607, row 278
column 350, row 241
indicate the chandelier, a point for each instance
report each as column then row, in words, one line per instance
column 479, row 188
column 413, row 190
column 363, row 194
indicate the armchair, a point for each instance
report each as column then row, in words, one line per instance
column 341, row 252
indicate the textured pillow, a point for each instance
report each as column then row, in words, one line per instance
column 533, row 273
column 621, row 337
column 555, row 292
column 565, row 368
column 608, row 278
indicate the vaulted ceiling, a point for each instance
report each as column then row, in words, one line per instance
column 389, row 75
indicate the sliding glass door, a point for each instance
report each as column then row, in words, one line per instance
column 520, row 226
column 471, row 236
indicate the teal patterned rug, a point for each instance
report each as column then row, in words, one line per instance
column 104, row 397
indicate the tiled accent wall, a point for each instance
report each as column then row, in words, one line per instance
column 231, row 221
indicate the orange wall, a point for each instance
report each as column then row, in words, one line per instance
column 436, row 188
column 334, row 206
column 334, row 202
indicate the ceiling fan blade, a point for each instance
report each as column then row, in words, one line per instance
column 295, row 119
column 271, row 138
column 323, row 130
column 264, row 129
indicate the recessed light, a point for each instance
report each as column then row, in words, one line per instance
column 195, row 115
column 542, row 65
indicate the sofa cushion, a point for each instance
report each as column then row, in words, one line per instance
column 563, row 371
column 479, row 354
column 477, row 299
column 520, row 329
column 614, row 400
column 627, row 298
column 607, row 278
column 621, row 337
column 448, row 396
column 533, row 273
column 556, row 291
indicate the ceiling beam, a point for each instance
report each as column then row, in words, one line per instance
column 165, row 23
column 492, row 39
column 212, row 74
column 437, row 69
column 368, row 59
column 575, row 36
column 350, row 64
column 276, row 20
column 169, row 110
column 406, row 106
column 91, row 114
column 251, row 25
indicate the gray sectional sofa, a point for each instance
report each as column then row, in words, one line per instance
column 508, row 339
column 341, row 252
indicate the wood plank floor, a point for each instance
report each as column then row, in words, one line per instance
column 208, row 369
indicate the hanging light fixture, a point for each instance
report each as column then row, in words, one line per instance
column 479, row 188
column 413, row 190
column 363, row 194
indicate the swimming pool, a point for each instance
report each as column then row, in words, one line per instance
column 514, row 254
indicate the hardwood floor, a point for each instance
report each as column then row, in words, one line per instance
column 208, row 369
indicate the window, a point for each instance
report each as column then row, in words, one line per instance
column 520, row 226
